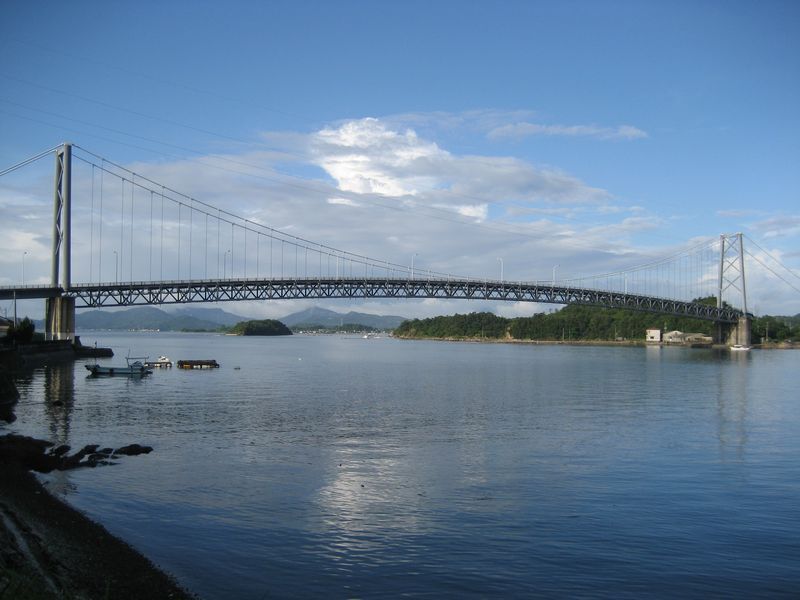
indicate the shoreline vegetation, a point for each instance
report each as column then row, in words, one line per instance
column 259, row 327
column 577, row 324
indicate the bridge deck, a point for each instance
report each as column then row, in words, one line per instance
column 228, row 290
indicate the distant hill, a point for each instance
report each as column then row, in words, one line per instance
column 260, row 327
column 215, row 315
column 328, row 318
column 148, row 317
column 210, row 319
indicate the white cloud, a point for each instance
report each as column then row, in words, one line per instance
column 477, row 211
column 367, row 156
column 775, row 227
column 526, row 129
column 342, row 201
column 735, row 213
column 458, row 123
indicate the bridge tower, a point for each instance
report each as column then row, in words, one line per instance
column 60, row 310
column 731, row 275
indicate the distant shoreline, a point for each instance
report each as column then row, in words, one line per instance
column 480, row 340
column 629, row 343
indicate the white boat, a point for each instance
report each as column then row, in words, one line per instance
column 163, row 362
column 739, row 348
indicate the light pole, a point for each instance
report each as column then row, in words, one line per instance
column 225, row 264
column 412, row 264
column 501, row 269
column 554, row 275
column 116, row 267
column 23, row 267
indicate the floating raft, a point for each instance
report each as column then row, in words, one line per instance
column 198, row 364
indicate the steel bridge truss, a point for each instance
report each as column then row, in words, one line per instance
column 181, row 292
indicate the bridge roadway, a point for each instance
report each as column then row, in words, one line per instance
column 227, row 290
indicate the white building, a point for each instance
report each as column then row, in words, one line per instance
column 653, row 335
column 674, row 337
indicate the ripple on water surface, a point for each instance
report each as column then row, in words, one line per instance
column 346, row 467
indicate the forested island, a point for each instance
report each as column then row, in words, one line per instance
column 259, row 327
column 582, row 323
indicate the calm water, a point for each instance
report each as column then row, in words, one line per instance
column 342, row 467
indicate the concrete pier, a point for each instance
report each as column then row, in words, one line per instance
column 732, row 334
column 60, row 318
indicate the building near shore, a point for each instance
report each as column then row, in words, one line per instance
column 653, row 336
column 681, row 337
column 4, row 325
column 673, row 337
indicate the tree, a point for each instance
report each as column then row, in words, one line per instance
column 22, row 333
column 263, row 327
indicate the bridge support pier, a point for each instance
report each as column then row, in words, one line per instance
column 731, row 334
column 60, row 318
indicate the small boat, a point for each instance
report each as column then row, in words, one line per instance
column 163, row 362
column 135, row 367
column 739, row 348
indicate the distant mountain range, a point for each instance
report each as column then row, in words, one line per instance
column 149, row 317
column 328, row 318
column 211, row 319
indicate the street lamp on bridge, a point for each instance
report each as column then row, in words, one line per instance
column 501, row 269
column 554, row 275
column 225, row 263
column 116, row 267
column 412, row 263
column 23, row 267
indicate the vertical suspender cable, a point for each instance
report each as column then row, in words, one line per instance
column 191, row 227
column 133, row 188
column 161, row 243
column 179, row 240
column 100, row 245
column 121, row 226
column 91, row 232
column 150, row 253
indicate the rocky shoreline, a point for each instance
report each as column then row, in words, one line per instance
column 50, row 550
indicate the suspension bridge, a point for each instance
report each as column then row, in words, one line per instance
column 170, row 248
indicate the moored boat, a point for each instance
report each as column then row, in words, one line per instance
column 163, row 362
column 739, row 348
column 135, row 366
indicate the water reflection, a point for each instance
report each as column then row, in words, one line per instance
column 59, row 400
column 732, row 408
column 405, row 468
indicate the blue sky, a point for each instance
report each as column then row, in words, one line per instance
column 597, row 135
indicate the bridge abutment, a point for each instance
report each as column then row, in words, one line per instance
column 60, row 318
column 732, row 334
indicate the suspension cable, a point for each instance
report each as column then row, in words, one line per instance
column 28, row 161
